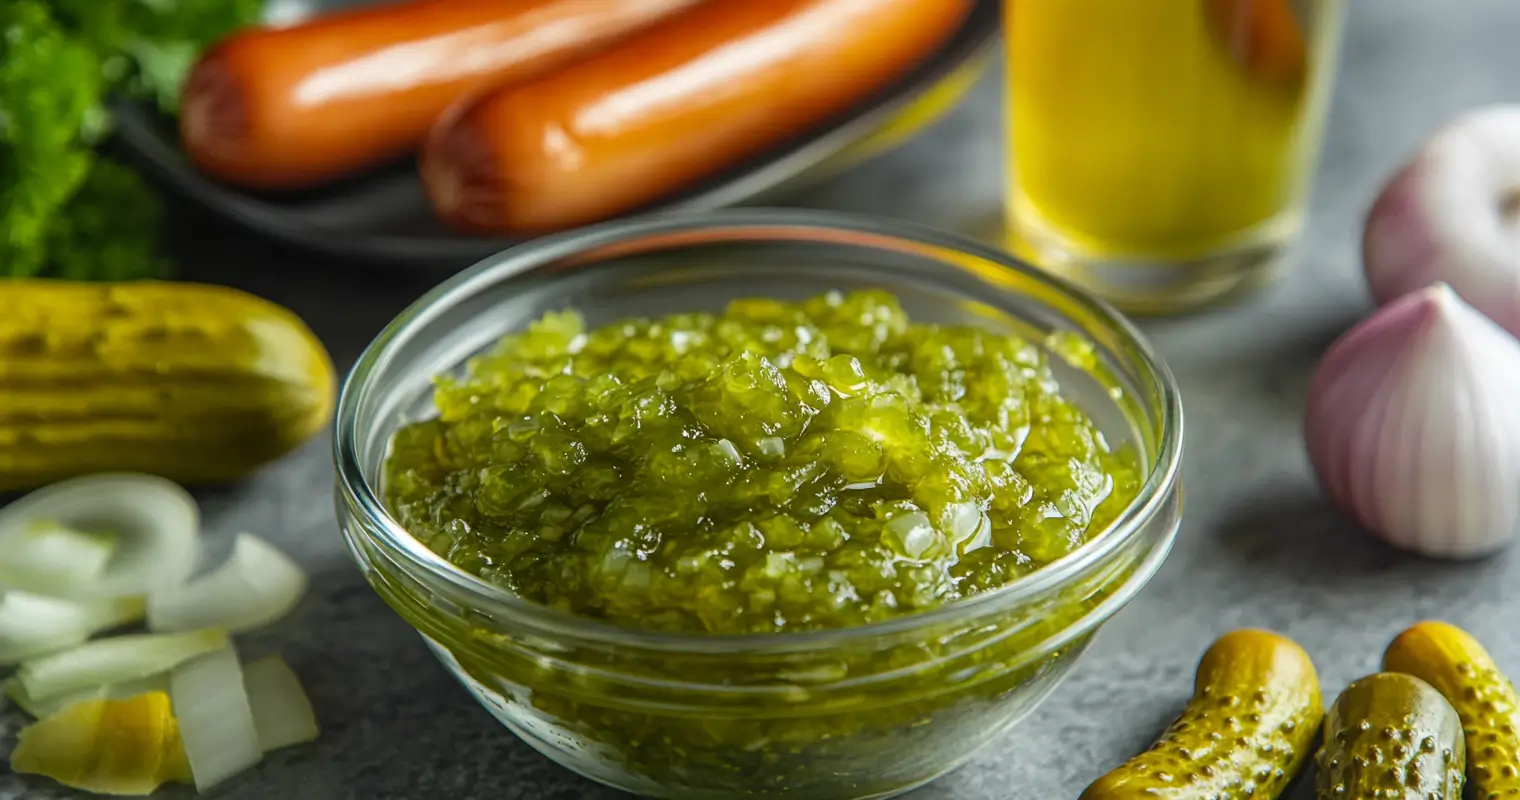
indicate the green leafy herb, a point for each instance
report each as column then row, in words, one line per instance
column 50, row 89
column 63, row 212
column 107, row 231
column 148, row 46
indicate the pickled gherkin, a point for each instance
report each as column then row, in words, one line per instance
column 778, row 466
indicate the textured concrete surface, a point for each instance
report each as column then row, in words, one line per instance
column 1258, row 545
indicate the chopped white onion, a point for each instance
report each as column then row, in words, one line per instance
column 282, row 714
column 255, row 587
column 47, row 707
column 152, row 524
column 215, row 720
column 31, row 625
column 44, row 557
column 114, row 660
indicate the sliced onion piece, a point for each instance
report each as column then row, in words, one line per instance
column 45, row 557
column 151, row 521
column 215, row 720
column 31, row 625
column 282, row 714
column 49, row 706
column 114, row 660
column 255, row 587
column 122, row 747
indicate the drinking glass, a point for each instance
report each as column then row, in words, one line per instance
column 1161, row 150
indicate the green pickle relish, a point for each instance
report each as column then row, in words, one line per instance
column 777, row 467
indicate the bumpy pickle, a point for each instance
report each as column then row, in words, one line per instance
column 1245, row 734
column 1391, row 736
column 1457, row 665
column 776, row 467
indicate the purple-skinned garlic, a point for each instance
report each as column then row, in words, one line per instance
column 1452, row 214
column 1413, row 426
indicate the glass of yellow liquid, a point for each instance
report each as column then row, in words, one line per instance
column 1161, row 150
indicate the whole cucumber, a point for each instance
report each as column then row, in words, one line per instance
column 192, row 382
column 1246, row 732
column 1452, row 661
column 1391, row 736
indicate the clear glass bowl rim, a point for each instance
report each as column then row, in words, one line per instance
column 357, row 493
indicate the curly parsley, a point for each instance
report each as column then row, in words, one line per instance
column 64, row 211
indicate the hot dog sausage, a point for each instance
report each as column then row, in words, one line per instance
column 294, row 107
column 673, row 103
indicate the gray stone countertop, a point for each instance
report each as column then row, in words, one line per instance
column 1258, row 546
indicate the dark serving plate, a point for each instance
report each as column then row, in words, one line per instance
column 382, row 219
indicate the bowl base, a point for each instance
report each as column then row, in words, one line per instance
column 589, row 760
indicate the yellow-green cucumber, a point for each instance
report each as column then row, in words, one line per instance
column 192, row 382
column 1391, row 736
column 1458, row 666
column 1247, row 731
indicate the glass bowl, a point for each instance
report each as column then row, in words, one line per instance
column 862, row 712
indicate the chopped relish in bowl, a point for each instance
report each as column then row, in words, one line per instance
column 779, row 466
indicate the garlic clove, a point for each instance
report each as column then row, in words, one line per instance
column 1451, row 215
column 1413, row 427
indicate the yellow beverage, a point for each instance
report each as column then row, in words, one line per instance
column 1164, row 130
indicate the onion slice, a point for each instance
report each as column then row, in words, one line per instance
column 215, row 721
column 282, row 714
column 32, row 625
column 45, row 557
column 152, row 523
column 47, row 707
column 255, row 587
column 115, row 660
column 121, row 747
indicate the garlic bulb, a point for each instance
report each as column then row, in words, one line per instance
column 1413, row 426
column 1450, row 215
